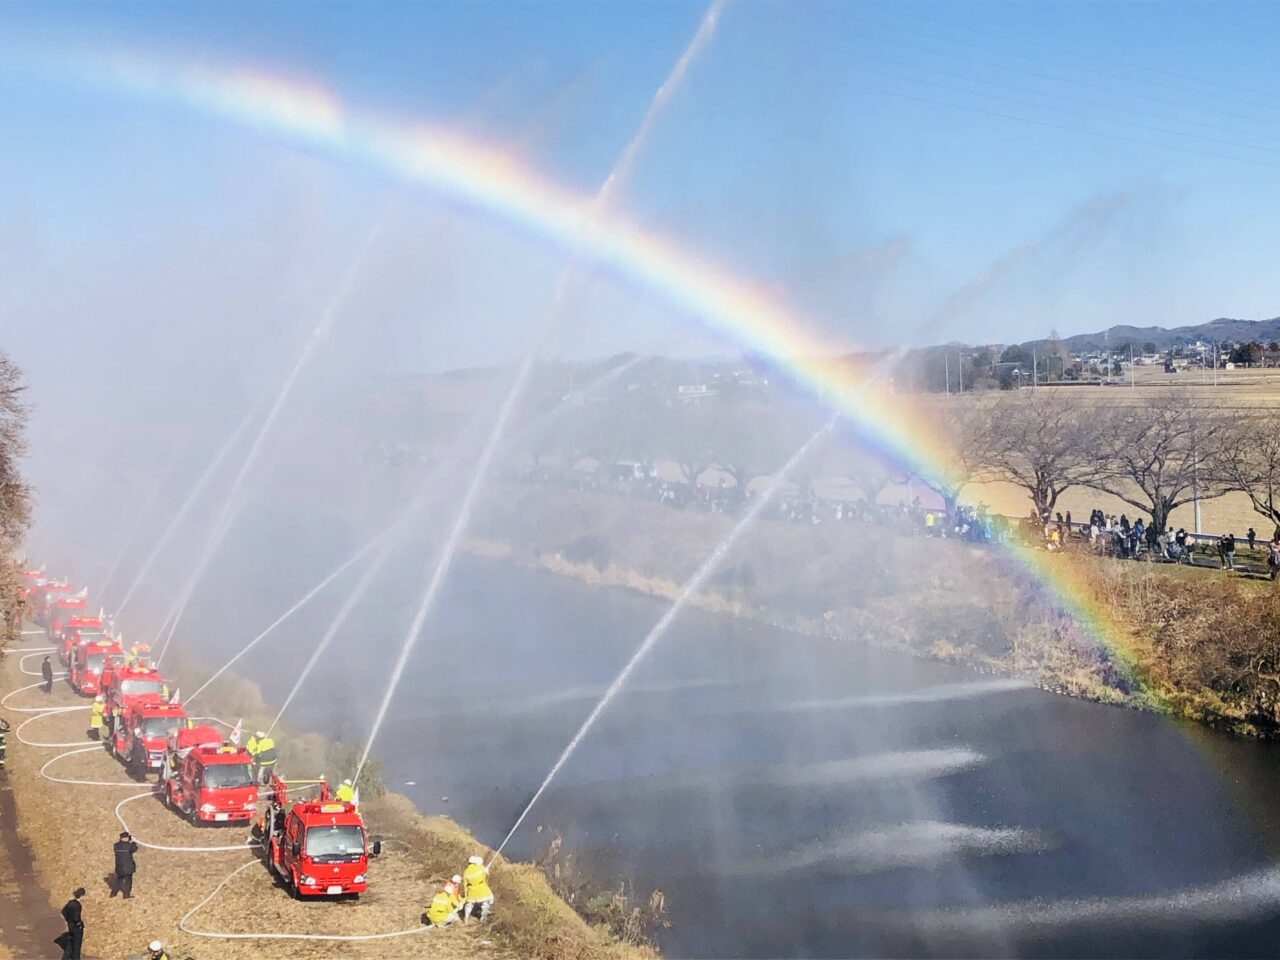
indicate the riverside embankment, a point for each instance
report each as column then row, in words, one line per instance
column 69, row 828
column 1189, row 643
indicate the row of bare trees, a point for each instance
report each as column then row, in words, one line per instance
column 1155, row 454
column 15, row 495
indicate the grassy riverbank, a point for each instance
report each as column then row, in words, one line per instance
column 69, row 829
column 1204, row 646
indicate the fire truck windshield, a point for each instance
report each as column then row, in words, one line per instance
column 222, row 775
column 93, row 663
column 131, row 688
column 335, row 844
column 159, row 726
column 87, row 634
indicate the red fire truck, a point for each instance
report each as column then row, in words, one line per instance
column 316, row 847
column 73, row 630
column 123, row 684
column 207, row 780
column 88, row 661
column 61, row 610
column 142, row 732
column 42, row 595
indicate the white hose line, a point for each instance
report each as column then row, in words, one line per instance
column 31, row 633
column 35, row 673
column 248, row 845
column 83, row 783
column 4, row 701
column 216, row 935
column 38, row 743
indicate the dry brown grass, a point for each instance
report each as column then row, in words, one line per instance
column 71, row 828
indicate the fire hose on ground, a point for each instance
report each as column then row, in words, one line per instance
column 79, row 747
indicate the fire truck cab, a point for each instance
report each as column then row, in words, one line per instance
column 89, row 660
column 316, row 847
column 41, row 597
column 73, row 630
column 123, row 683
column 142, row 731
column 207, row 780
column 61, row 611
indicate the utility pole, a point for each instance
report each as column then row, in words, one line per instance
column 1132, row 384
column 1035, row 369
column 946, row 363
column 960, row 368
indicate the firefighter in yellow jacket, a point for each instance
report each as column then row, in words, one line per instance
column 443, row 909
column 263, row 751
column 475, row 889
column 95, row 718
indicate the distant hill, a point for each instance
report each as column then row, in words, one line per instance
column 1224, row 328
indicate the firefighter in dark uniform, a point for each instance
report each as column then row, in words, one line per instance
column 72, row 940
column 124, row 850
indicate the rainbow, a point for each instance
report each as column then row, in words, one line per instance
column 491, row 181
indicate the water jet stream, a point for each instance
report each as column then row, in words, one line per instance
column 177, row 518
column 231, row 503
column 432, row 482
column 617, row 176
column 302, row 601
column 687, row 592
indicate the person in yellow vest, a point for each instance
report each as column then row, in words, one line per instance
column 345, row 793
column 263, row 750
column 475, row 889
column 95, row 718
column 443, row 909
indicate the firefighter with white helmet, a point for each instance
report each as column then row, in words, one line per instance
column 346, row 792
column 155, row 951
column 443, row 909
column 475, row 888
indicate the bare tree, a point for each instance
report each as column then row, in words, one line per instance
column 15, row 495
column 1250, row 461
column 689, row 439
column 1158, row 456
column 748, row 441
column 868, row 473
column 966, row 425
column 1041, row 440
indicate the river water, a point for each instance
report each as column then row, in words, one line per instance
column 798, row 796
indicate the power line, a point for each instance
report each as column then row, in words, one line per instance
column 1067, row 112
column 1023, row 41
column 1062, row 126
column 1101, row 73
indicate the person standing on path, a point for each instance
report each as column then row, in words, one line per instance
column 73, row 939
column 124, row 850
column 46, row 671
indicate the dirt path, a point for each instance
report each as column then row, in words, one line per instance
column 29, row 919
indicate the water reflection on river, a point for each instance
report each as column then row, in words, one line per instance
column 795, row 796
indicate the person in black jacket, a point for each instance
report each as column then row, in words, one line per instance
column 124, row 850
column 72, row 940
column 46, row 671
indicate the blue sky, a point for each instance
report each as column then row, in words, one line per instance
column 866, row 160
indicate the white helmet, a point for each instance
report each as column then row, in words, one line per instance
column 155, row 945
column 457, row 878
column 479, row 861
column 260, row 733
column 98, row 699
column 346, row 783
